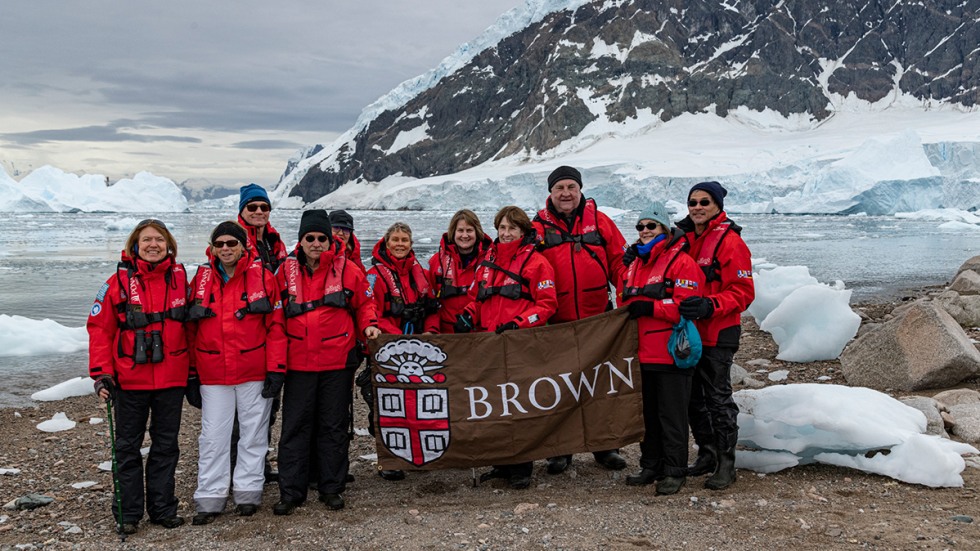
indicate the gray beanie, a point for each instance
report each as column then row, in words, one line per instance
column 657, row 212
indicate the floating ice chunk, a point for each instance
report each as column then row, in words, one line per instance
column 79, row 386
column 122, row 224
column 813, row 323
column 60, row 422
column 772, row 286
column 20, row 336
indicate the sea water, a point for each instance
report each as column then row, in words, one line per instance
column 52, row 265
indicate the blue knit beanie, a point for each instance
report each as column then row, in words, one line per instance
column 713, row 189
column 252, row 192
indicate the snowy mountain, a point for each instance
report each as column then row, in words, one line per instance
column 797, row 106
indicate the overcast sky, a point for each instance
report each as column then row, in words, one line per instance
column 226, row 91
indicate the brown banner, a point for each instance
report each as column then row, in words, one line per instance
column 450, row 401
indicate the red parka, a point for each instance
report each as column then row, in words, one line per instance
column 326, row 311
column 236, row 326
column 451, row 281
column 665, row 277
column 276, row 248
column 586, row 257
column 727, row 263
column 497, row 297
column 399, row 287
column 353, row 252
column 160, row 291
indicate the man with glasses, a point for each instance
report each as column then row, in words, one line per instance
column 718, row 249
column 264, row 241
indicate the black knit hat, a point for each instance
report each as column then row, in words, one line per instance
column 340, row 219
column 564, row 173
column 231, row 229
column 314, row 220
column 713, row 189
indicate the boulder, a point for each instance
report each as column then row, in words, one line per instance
column 930, row 408
column 967, row 419
column 971, row 264
column 965, row 309
column 966, row 283
column 923, row 347
column 957, row 396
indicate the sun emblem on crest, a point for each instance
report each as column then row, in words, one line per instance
column 410, row 360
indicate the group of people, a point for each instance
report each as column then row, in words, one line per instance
column 258, row 319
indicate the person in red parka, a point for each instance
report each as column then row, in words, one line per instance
column 342, row 225
column 452, row 268
column 720, row 252
column 327, row 304
column 236, row 323
column 402, row 294
column 514, row 288
column 264, row 242
column 138, row 356
column 586, row 250
column 659, row 277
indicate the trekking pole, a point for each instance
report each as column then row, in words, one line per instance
column 115, row 472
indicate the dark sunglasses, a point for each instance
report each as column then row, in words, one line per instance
column 649, row 225
column 252, row 207
column 702, row 202
column 231, row 244
column 312, row 238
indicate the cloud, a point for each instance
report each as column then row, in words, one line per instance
column 89, row 134
column 268, row 144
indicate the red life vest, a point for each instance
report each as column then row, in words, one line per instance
column 335, row 295
column 514, row 286
column 394, row 295
column 555, row 232
column 130, row 312
column 446, row 275
column 655, row 286
column 256, row 298
column 707, row 258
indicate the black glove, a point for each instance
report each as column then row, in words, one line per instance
column 640, row 308
column 273, row 384
column 105, row 382
column 506, row 327
column 696, row 308
column 629, row 255
column 193, row 392
column 464, row 323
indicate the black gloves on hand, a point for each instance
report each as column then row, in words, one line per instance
column 696, row 308
column 506, row 327
column 273, row 384
column 193, row 392
column 464, row 323
column 629, row 255
column 640, row 308
column 105, row 382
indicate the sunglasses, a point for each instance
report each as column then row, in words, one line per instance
column 252, row 207
column 312, row 238
column 649, row 225
column 231, row 244
column 702, row 202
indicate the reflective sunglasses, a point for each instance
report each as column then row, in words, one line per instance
column 252, row 207
column 312, row 238
column 702, row 202
column 649, row 225
column 231, row 244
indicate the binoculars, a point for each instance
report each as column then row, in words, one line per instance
column 153, row 342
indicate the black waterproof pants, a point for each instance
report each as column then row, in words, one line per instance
column 665, row 401
column 713, row 413
column 162, row 408
column 321, row 400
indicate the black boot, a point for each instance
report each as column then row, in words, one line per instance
column 706, row 461
column 670, row 485
column 724, row 475
column 644, row 477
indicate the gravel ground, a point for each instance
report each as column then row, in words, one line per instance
column 812, row 507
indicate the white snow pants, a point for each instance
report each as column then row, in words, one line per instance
column 219, row 403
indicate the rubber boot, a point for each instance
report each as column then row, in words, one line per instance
column 724, row 475
column 706, row 461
